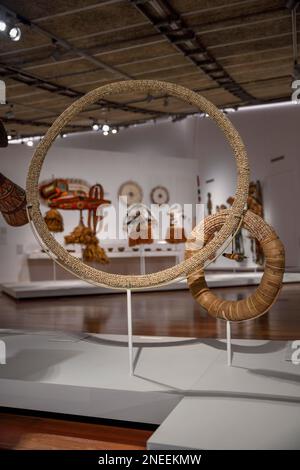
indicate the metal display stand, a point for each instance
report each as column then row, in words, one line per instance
column 130, row 340
column 142, row 260
column 129, row 331
column 228, row 343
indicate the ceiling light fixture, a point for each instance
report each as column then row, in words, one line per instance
column 105, row 133
column 114, row 131
column 3, row 26
column 95, row 126
column 29, row 143
column 15, row 33
column 105, row 128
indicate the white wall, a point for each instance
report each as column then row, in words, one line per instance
column 164, row 139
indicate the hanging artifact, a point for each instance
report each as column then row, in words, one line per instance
column 12, row 202
column 175, row 233
column 85, row 236
column 132, row 191
column 209, row 204
column 138, row 224
column 79, row 234
column 159, row 195
column 54, row 221
column 94, row 253
column 96, row 193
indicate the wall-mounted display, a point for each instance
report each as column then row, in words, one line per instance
column 159, row 195
column 132, row 191
column 63, row 187
column 75, row 195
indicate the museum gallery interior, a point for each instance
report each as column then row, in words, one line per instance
column 149, row 228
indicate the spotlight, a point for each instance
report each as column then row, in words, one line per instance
column 105, row 132
column 29, row 143
column 9, row 137
column 114, row 131
column 95, row 126
column 3, row 26
column 105, row 128
column 15, row 33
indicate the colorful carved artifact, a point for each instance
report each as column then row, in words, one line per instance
column 75, row 194
column 12, row 202
column 199, row 248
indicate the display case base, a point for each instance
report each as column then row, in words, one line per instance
column 182, row 384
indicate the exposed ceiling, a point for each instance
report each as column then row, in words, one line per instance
column 233, row 52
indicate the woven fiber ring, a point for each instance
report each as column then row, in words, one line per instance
column 270, row 285
column 96, row 276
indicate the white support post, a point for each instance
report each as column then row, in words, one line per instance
column 228, row 342
column 142, row 261
column 129, row 330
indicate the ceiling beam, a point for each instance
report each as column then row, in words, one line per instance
column 56, row 40
column 173, row 27
column 73, row 11
column 29, row 79
column 28, row 122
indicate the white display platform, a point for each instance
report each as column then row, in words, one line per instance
column 183, row 384
column 24, row 290
column 89, row 375
column 255, row 404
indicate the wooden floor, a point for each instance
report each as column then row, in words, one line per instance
column 173, row 313
column 23, row 432
column 163, row 314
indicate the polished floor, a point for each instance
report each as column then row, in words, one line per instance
column 155, row 313
column 160, row 314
